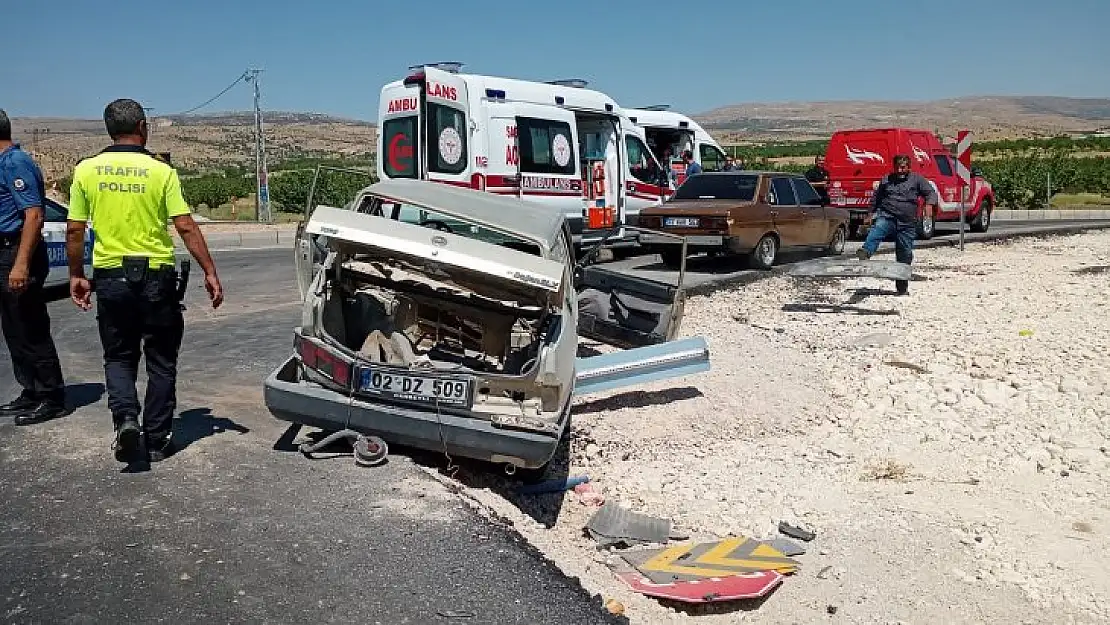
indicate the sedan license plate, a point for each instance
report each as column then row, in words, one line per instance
column 681, row 222
column 422, row 389
column 705, row 240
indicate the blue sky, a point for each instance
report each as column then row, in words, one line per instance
column 70, row 57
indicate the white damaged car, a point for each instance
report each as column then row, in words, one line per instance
column 448, row 319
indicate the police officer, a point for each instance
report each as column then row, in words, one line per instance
column 23, row 269
column 894, row 205
column 129, row 195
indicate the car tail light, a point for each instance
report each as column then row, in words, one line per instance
column 650, row 222
column 323, row 360
column 715, row 222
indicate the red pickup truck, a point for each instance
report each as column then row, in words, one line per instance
column 858, row 159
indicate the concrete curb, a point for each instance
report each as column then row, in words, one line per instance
column 245, row 240
column 1042, row 215
column 712, row 286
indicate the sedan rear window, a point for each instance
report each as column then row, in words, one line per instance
column 718, row 187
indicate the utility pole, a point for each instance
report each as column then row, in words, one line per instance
column 262, row 184
column 149, row 121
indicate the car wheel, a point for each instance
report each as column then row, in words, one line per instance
column 672, row 259
column 982, row 219
column 926, row 227
column 763, row 256
column 839, row 241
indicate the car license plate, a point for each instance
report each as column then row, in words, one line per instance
column 681, row 222
column 431, row 390
column 705, row 240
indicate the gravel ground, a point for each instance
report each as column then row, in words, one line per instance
column 949, row 448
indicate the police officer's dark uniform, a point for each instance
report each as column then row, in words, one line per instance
column 129, row 195
column 23, row 314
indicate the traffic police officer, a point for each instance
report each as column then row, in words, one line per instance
column 23, row 269
column 129, row 195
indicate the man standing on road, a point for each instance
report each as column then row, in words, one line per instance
column 129, row 196
column 23, row 269
column 818, row 176
column 894, row 213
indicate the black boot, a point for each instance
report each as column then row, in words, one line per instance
column 127, row 442
column 22, row 404
column 41, row 411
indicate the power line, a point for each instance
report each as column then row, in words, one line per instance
column 217, row 96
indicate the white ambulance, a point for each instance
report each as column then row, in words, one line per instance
column 556, row 143
column 669, row 134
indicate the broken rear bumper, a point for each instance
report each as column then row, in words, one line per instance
column 290, row 397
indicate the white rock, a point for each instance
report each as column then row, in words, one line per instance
column 1072, row 384
column 1039, row 455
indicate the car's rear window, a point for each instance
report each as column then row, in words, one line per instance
column 739, row 187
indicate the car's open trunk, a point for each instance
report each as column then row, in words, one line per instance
column 392, row 312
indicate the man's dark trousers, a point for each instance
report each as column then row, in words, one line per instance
column 142, row 315
column 904, row 233
column 26, row 326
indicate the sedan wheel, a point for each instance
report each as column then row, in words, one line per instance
column 763, row 257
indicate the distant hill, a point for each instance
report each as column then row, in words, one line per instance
column 199, row 142
column 989, row 117
column 220, row 139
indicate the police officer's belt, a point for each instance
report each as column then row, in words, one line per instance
column 119, row 272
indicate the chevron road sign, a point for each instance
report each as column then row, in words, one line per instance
column 699, row 561
column 963, row 156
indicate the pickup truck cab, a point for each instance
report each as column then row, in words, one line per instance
column 857, row 160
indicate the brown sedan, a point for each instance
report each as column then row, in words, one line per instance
column 745, row 212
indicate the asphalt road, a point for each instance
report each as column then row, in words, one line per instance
column 238, row 526
column 704, row 274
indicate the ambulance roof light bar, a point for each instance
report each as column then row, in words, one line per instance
column 656, row 107
column 577, row 83
column 447, row 66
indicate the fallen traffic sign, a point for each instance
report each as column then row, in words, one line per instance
column 723, row 558
column 708, row 590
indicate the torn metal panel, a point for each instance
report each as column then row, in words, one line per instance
column 839, row 268
column 613, row 525
column 641, row 365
